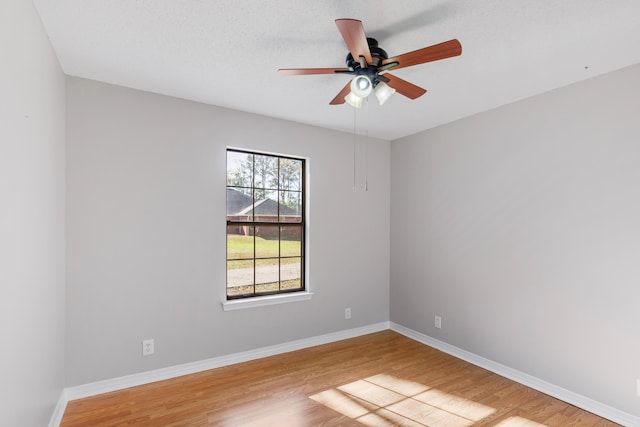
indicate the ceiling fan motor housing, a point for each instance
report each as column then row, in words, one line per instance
column 377, row 54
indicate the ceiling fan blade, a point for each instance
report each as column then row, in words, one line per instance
column 403, row 87
column 339, row 99
column 301, row 71
column 427, row 54
column 353, row 34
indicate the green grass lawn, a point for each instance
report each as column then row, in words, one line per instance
column 242, row 248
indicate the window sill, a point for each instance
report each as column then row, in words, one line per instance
column 240, row 304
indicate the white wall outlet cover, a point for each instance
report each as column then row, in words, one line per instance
column 147, row 347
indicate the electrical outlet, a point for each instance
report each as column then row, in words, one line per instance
column 437, row 322
column 147, row 347
column 347, row 313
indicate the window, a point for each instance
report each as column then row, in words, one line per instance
column 265, row 224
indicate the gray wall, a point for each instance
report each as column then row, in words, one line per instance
column 146, row 231
column 32, row 221
column 521, row 228
column 518, row 226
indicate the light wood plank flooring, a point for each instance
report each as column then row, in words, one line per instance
column 381, row 379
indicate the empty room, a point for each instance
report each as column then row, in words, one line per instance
column 297, row 213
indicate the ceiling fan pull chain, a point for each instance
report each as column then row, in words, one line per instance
column 354, row 150
column 366, row 149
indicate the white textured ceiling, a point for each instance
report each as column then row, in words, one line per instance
column 226, row 52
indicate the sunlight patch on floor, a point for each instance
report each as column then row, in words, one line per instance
column 519, row 422
column 254, row 414
column 342, row 403
column 384, row 400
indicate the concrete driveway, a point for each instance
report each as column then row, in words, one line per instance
column 264, row 274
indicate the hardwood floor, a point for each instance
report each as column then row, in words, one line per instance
column 380, row 379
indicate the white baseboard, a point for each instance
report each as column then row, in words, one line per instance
column 58, row 411
column 545, row 387
column 99, row 387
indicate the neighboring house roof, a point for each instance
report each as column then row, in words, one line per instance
column 239, row 203
column 268, row 207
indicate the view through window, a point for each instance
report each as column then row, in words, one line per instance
column 265, row 224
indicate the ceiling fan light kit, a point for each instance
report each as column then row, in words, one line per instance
column 354, row 100
column 383, row 92
column 370, row 65
column 361, row 86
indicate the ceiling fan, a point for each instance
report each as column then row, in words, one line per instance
column 369, row 63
